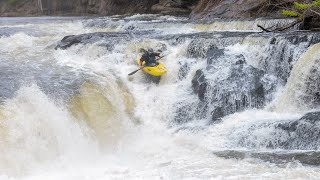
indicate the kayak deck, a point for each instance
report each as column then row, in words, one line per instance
column 156, row 70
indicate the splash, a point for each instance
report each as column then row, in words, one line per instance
column 35, row 130
column 100, row 109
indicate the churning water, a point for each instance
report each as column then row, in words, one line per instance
column 74, row 113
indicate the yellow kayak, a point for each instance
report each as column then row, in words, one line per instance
column 157, row 70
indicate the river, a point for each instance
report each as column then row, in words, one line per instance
column 74, row 113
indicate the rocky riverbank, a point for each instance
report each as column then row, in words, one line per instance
column 204, row 10
column 197, row 9
column 93, row 7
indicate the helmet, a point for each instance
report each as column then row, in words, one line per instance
column 150, row 50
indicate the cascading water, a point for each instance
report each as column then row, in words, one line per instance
column 302, row 90
column 69, row 110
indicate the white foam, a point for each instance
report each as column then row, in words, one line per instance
column 43, row 140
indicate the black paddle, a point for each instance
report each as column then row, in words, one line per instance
column 135, row 71
column 142, row 67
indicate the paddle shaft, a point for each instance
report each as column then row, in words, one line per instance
column 135, row 71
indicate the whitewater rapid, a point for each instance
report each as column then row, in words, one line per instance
column 76, row 114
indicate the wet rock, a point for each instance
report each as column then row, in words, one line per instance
column 298, row 39
column 199, row 84
column 284, row 52
column 213, row 54
column 198, row 48
column 227, row 82
column 296, row 134
column 310, row 22
column 202, row 43
column 90, row 38
column 217, row 114
column 310, row 118
column 103, row 37
column 247, row 90
column 315, row 38
column 240, row 76
column 303, row 133
column 230, row 85
column 279, row 157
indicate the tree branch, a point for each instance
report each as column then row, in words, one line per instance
column 315, row 12
column 264, row 29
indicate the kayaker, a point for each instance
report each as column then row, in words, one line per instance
column 149, row 57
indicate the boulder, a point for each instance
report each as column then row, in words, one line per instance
column 203, row 42
column 106, row 38
column 277, row 157
column 303, row 133
column 198, row 48
column 229, row 85
column 71, row 40
column 199, row 84
column 296, row 134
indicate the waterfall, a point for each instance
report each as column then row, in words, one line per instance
column 302, row 90
column 234, row 103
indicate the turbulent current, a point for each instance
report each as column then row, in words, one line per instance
column 232, row 105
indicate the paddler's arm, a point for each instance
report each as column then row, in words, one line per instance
column 156, row 54
column 143, row 58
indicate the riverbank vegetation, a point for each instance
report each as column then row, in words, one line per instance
column 306, row 12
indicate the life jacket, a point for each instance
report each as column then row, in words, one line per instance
column 149, row 58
